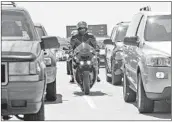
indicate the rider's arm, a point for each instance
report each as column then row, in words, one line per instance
column 93, row 41
column 72, row 42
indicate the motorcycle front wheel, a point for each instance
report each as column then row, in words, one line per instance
column 86, row 82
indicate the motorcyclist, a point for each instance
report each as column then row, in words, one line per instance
column 83, row 36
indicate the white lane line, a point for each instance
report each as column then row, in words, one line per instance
column 87, row 98
column 90, row 102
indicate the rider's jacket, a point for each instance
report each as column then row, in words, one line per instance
column 87, row 38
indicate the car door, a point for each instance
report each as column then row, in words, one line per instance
column 130, row 50
column 136, row 50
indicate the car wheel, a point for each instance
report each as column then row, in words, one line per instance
column 108, row 79
column 68, row 68
column 145, row 105
column 128, row 93
column 116, row 79
column 51, row 91
column 39, row 116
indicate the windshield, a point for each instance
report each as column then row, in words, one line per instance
column 84, row 48
column 121, row 33
column 158, row 28
column 15, row 26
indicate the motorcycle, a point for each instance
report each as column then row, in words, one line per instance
column 85, row 67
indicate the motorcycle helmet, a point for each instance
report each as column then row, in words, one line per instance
column 82, row 24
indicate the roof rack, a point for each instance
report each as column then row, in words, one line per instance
column 147, row 8
column 11, row 3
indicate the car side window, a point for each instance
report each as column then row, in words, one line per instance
column 132, row 30
column 113, row 34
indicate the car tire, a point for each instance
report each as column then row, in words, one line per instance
column 144, row 104
column 116, row 79
column 68, row 68
column 51, row 91
column 86, row 82
column 39, row 116
column 108, row 79
column 128, row 94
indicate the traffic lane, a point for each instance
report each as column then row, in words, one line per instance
column 104, row 103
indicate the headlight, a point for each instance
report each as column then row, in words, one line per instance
column 24, row 68
column 81, row 62
column 47, row 61
column 158, row 61
column 88, row 62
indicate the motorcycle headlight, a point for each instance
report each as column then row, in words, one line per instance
column 47, row 61
column 88, row 62
column 158, row 61
column 81, row 62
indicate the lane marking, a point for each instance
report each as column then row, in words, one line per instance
column 90, row 102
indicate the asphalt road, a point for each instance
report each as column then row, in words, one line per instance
column 104, row 103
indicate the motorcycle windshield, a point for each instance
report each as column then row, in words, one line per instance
column 84, row 48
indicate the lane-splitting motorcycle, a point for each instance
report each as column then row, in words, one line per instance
column 85, row 66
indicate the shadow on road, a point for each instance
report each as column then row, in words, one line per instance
column 162, row 110
column 58, row 100
column 117, row 85
column 92, row 93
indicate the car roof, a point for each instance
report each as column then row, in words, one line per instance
column 13, row 8
column 38, row 24
column 122, row 24
column 150, row 13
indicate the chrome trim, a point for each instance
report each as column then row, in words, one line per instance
column 6, row 73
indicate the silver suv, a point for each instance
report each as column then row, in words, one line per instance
column 147, row 59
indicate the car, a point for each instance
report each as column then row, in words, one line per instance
column 23, row 76
column 147, row 59
column 50, row 62
column 114, row 56
column 101, row 47
column 61, row 55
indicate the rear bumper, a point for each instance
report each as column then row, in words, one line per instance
column 22, row 97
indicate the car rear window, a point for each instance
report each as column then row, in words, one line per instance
column 121, row 33
column 16, row 26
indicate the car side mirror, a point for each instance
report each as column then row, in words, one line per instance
column 108, row 42
column 134, row 41
column 49, row 42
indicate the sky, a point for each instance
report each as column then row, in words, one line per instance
column 55, row 16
